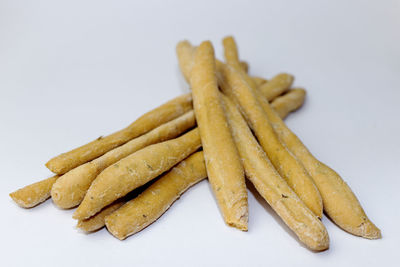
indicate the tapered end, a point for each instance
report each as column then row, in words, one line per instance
column 88, row 227
column 241, row 221
column 113, row 228
column 52, row 167
column 19, row 201
column 241, row 226
column 78, row 215
column 320, row 245
column 369, row 230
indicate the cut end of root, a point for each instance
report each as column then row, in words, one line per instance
column 116, row 235
column 19, row 201
column 51, row 167
column 87, row 228
column 320, row 248
column 80, row 214
column 77, row 215
column 243, row 228
column 319, row 245
column 111, row 230
column 369, row 230
column 81, row 226
column 241, row 225
column 13, row 196
column 55, row 167
column 55, row 195
column 57, row 199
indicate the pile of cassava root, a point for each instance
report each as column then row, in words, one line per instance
column 228, row 128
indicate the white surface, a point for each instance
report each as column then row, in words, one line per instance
column 72, row 71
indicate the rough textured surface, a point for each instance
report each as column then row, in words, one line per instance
column 339, row 201
column 186, row 51
column 34, row 194
column 185, row 174
column 70, row 188
column 150, row 120
column 224, row 169
column 97, row 221
column 232, row 58
column 290, row 101
column 235, row 86
column 272, row 187
column 135, row 170
column 278, row 85
column 38, row 191
column 130, row 220
column 138, row 213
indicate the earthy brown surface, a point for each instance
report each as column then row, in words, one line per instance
column 272, row 187
column 150, row 120
column 34, row 194
column 70, row 188
column 135, row 170
column 97, row 221
column 225, row 173
column 339, row 201
column 137, row 213
column 235, row 86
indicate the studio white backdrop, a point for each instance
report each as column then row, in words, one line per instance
column 71, row 71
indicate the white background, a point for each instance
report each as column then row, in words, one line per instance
column 71, row 71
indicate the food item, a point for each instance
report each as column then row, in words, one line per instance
column 108, row 173
column 289, row 102
column 130, row 220
column 70, row 188
column 185, row 52
column 283, row 105
column 34, row 194
column 135, row 170
column 225, row 173
column 232, row 59
column 138, row 213
column 150, row 120
column 278, row 85
column 235, row 86
column 339, row 201
column 97, row 221
column 260, row 171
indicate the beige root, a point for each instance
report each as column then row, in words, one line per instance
column 150, row 120
column 97, row 221
column 225, row 173
column 135, row 170
column 278, row 85
column 138, row 214
column 34, row 194
column 40, row 191
column 235, row 86
column 290, row 101
column 70, row 188
column 272, row 187
column 339, row 201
